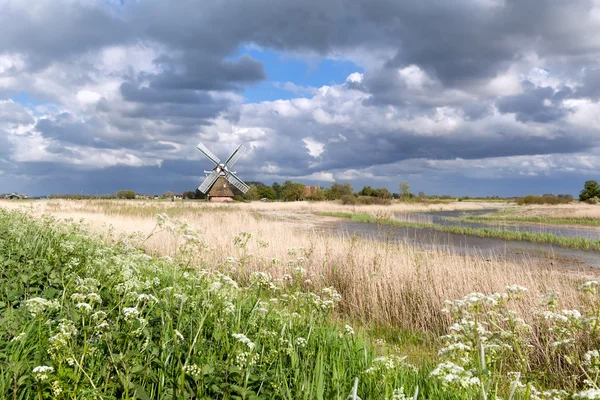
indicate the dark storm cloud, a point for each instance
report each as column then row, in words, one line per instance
column 66, row 128
column 470, row 40
column 590, row 84
column 186, row 107
column 365, row 149
column 458, row 46
column 202, row 72
column 530, row 106
column 46, row 31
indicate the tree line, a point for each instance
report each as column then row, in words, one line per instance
column 294, row 191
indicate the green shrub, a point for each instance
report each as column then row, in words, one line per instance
column 593, row 200
column 349, row 199
column 367, row 200
column 546, row 199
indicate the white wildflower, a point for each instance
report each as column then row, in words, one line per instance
column 192, row 370
column 398, row 394
column 78, row 297
column 515, row 289
column 243, row 339
column 229, row 308
column 41, row 372
column 56, row 389
column 94, row 298
column 589, row 287
column 588, row 394
column 147, row 298
column 131, row 313
column 19, row 337
column 38, row 305
column 84, row 308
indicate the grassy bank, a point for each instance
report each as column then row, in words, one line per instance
column 81, row 319
column 595, row 222
column 84, row 320
column 575, row 243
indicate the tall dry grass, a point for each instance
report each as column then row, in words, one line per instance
column 573, row 210
column 385, row 282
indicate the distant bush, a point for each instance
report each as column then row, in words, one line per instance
column 349, row 199
column 319, row 195
column 546, row 199
column 594, row 200
column 239, row 198
column 373, row 200
column 126, row 194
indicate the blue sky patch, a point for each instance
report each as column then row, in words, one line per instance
column 281, row 69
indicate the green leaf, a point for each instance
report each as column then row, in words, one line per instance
column 140, row 392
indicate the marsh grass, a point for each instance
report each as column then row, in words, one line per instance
column 385, row 282
column 570, row 242
column 181, row 326
column 594, row 222
column 84, row 320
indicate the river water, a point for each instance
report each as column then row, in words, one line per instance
column 466, row 244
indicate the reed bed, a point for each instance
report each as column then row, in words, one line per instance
column 384, row 282
column 89, row 315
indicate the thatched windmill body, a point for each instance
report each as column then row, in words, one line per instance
column 216, row 184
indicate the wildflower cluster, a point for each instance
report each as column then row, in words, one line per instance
column 488, row 338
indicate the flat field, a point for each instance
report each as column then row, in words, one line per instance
column 392, row 292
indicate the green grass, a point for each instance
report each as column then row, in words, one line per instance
column 80, row 319
column 110, row 322
column 575, row 243
column 536, row 220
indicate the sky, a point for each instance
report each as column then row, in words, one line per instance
column 463, row 97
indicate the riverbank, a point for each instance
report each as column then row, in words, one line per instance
column 568, row 242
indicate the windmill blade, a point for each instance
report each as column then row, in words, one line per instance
column 204, row 150
column 235, row 156
column 209, row 181
column 237, row 182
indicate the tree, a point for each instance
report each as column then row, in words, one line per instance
column 126, row 194
column 251, row 194
column 404, row 190
column 168, row 195
column 277, row 188
column 366, row 191
column 291, row 191
column 338, row 190
column 590, row 189
column 188, row 194
column 421, row 195
column 382, row 193
column 318, row 195
column 199, row 195
column 267, row 192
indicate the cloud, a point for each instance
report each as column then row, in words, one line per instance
column 470, row 89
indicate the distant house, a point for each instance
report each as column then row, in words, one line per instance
column 311, row 190
column 15, row 196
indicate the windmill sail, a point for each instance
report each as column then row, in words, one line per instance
column 208, row 153
column 235, row 156
column 209, row 181
column 237, row 182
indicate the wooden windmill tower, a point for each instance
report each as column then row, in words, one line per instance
column 216, row 184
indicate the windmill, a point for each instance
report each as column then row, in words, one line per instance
column 216, row 184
